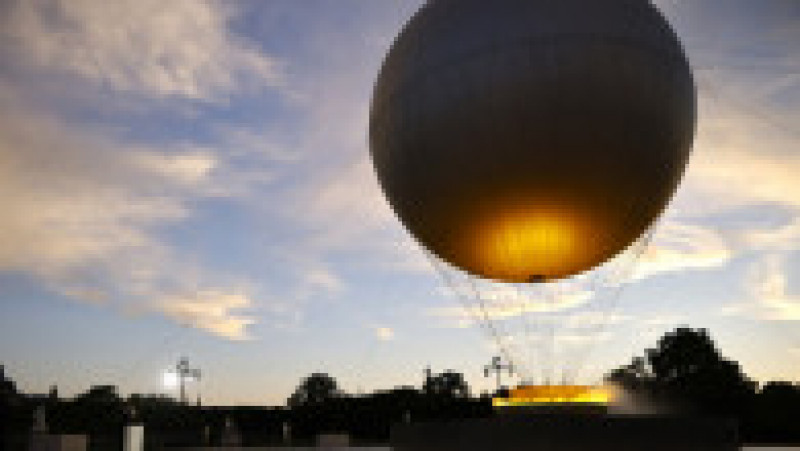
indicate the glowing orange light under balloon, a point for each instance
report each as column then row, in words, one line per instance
column 537, row 395
column 528, row 243
column 514, row 243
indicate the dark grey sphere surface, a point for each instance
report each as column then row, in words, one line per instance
column 529, row 140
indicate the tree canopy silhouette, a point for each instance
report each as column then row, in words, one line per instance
column 100, row 394
column 774, row 415
column 686, row 368
column 314, row 390
column 447, row 384
column 8, row 389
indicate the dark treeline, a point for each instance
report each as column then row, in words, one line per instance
column 318, row 406
column 686, row 374
column 683, row 374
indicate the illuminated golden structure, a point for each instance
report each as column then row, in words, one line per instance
column 555, row 395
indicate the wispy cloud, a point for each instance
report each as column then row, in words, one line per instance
column 591, row 319
column 189, row 169
column 318, row 279
column 663, row 319
column 769, row 288
column 346, row 204
column 785, row 237
column 85, row 208
column 213, row 311
column 180, row 49
column 501, row 302
column 681, row 246
column 769, row 297
column 82, row 213
column 67, row 201
column 745, row 154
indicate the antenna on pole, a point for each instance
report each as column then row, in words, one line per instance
column 497, row 366
column 185, row 373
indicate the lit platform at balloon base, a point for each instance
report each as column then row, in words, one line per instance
column 555, row 400
column 565, row 432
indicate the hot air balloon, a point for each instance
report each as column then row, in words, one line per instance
column 532, row 140
column 529, row 146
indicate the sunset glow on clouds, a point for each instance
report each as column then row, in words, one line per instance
column 202, row 167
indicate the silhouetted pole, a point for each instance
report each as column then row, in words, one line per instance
column 184, row 373
column 497, row 366
column 428, row 376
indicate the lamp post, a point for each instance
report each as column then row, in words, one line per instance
column 497, row 366
column 184, row 372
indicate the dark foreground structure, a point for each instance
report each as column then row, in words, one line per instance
column 569, row 433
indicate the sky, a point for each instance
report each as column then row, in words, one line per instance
column 192, row 178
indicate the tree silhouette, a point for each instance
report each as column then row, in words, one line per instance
column 781, row 392
column 8, row 389
column 149, row 402
column 314, row 390
column 686, row 369
column 774, row 415
column 100, row 394
column 10, row 401
column 687, row 364
column 633, row 376
column 448, row 384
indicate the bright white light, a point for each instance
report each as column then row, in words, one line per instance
column 170, row 379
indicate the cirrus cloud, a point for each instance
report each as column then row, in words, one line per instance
column 769, row 296
column 213, row 311
column 180, row 49
column 82, row 211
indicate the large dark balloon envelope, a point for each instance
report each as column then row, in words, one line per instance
column 530, row 140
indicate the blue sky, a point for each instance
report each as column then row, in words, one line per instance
column 192, row 178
